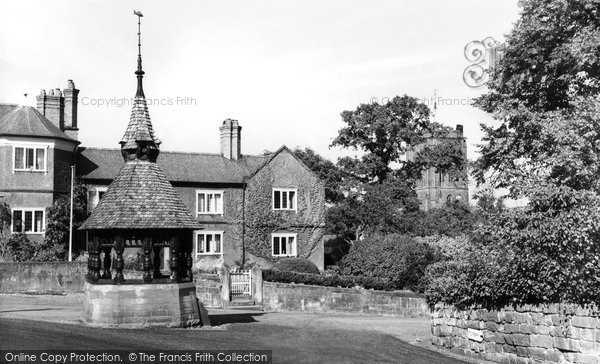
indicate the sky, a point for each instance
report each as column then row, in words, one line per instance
column 284, row 69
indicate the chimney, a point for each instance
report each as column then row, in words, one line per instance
column 231, row 139
column 459, row 129
column 51, row 105
column 70, row 113
column 60, row 107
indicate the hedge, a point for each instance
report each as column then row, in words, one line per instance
column 327, row 281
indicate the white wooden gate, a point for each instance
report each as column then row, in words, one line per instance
column 240, row 283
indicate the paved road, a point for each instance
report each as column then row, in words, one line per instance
column 290, row 344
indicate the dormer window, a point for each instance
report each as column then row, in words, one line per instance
column 284, row 199
column 29, row 159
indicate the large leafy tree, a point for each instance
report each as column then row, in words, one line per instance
column 379, row 184
column 545, row 145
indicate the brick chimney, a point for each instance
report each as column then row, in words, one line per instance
column 231, row 139
column 60, row 107
column 70, row 113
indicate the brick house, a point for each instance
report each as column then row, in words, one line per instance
column 252, row 208
column 37, row 150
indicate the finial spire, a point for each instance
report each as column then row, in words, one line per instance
column 434, row 104
column 139, row 72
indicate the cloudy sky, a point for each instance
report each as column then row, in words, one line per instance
column 284, row 69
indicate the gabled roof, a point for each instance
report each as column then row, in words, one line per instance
column 16, row 120
column 140, row 197
column 104, row 164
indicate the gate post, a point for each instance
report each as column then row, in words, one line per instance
column 225, row 284
column 257, row 283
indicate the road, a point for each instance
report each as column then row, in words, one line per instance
column 290, row 343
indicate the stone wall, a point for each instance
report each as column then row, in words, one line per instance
column 552, row 333
column 298, row 297
column 42, row 277
column 208, row 289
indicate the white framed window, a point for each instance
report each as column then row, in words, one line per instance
column 209, row 243
column 284, row 244
column 30, row 158
column 95, row 193
column 28, row 220
column 284, row 198
column 209, row 202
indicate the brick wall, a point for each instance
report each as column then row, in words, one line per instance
column 552, row 333
column 42, row 277
column 298, row 297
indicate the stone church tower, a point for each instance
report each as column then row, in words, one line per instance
column 434, row 189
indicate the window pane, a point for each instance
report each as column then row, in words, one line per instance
column 218, row 243
column 201, row 202
column 100, row 194
column 291, row 196
column 277, row 200
column 283, row 245
column 291, row 246
column 200, row 246
column 19, row 158
column 210, row 201
column 29, row 158
column 209, row 242
column 275, row 245
column 17, row 221
column 218, row 203
column 39, row 158
column 39, row 221
column 28, row 221
column 284, row 200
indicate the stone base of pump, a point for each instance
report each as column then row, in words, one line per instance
column 136, row 304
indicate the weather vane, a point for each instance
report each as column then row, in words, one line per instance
column 139, row 72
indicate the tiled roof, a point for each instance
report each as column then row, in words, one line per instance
column 18, row 120
column 140, row 127
column 104, row 164
column 140, row 197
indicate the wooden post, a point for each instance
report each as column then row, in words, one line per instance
column 147, row 248
column 190, row 259
column 107, row 274
column 174, row 264
column 119, row 264
column 94, row 260
column 157, row 273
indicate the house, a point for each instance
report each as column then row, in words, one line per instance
column 252, row 208
column 37, row 150
column 434, row 189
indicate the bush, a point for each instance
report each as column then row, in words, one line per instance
column 400, row 259
column 545, row 253
column 133, row 262
column 328, row 281
column 21, row 249
column 300, row 265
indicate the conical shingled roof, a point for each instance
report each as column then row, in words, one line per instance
column 140, row 197
column 140, row 127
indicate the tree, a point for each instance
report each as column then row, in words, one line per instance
column 5, row 221
column 328, row 172
column 56, row 238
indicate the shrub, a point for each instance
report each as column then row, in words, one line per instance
column 328, row 281
column 400, row 259
column 133, row 262
column 21, row 249
column 300, row 265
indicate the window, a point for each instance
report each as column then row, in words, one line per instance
column 29, row 159
column 28, row 221
column 94, row 196
column 284, row 199
column 209, row 243
column 283, row 245
column 209, row 202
